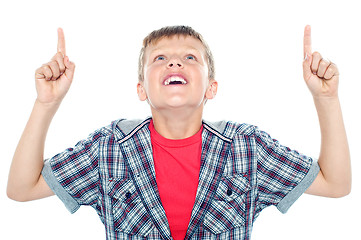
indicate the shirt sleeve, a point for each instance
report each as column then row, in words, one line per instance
column 73, row 175
column 283, row 175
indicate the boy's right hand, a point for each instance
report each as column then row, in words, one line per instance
column 53, row 79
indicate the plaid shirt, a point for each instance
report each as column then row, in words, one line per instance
column 243, row 170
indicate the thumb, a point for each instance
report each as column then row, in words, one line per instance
column 69, row 68
column 307, row 73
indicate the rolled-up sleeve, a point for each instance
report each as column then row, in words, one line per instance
column 283, row 175
column 73, row 175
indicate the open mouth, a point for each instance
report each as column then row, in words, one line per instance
column 174, row 80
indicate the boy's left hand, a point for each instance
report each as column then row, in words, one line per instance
column 321, row 75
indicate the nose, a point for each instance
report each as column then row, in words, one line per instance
column 175, row 62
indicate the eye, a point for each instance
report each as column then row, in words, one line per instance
column 159, row 58
column 190, row 57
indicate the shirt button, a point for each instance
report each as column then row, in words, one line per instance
column 229, row 192
column 128, row 195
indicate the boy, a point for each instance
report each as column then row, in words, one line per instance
column 175, row 176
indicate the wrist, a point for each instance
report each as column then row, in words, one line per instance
column 47, row 105
column 46, row 109
column 328, row 108
column 326, row 100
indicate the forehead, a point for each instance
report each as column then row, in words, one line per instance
column 176, row 43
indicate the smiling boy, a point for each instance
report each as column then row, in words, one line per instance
column 175, row 175
column 177, row 82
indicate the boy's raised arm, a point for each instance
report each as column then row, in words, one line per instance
column 53, row 81
column 322, row 77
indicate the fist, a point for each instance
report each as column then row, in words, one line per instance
column 320, row 75
column 53, row 79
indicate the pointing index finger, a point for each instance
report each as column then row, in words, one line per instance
column 61, row 42
column 307, row 48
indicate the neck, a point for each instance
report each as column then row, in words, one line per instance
column 177, row 124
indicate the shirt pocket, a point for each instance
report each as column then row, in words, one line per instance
column 227, row 209
column 129, row 213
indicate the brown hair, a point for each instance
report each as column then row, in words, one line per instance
column 171, row 31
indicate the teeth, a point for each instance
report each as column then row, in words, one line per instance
column 174, row 79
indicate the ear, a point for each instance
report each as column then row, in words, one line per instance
column 142, row 95
column 212, row 89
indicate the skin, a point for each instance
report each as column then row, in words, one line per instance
column 53, row 81
column 322, row 78
column 177, row 110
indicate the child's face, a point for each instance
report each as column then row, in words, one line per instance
column 176, row 74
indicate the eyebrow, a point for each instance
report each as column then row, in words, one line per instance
column 186, row 48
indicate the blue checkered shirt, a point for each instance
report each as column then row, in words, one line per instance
column 243, row 170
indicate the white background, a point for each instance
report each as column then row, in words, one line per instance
column 258, row 51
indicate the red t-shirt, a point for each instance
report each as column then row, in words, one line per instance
column 177, row 165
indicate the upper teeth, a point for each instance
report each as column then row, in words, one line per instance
column 174, row 79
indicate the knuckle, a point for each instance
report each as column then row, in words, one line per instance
column 54, row 65
column 333, row 67
column 47, row 65
column 58, row 55
column 45, row 68
column 60, row 61
column 39, row 70
column 324, row 63
column 330, row 71
column 316, row 54
column 62, row 68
